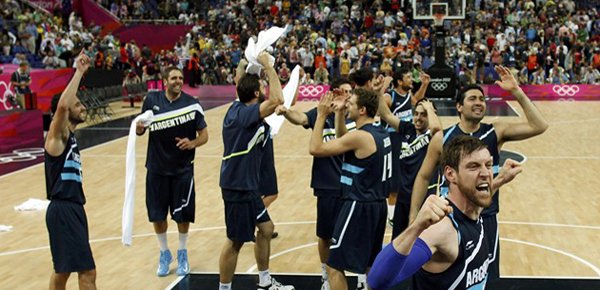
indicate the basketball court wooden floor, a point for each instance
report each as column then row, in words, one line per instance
column 549, row 219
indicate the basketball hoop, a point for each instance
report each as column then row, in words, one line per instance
column 438, row 19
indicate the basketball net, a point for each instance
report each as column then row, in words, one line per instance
column 438, row 19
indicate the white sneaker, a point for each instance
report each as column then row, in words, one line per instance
column 325, row 285
column 274, row 285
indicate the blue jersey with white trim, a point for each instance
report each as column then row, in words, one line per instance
column 244, row 137
column 367, row 179
column 470, row 269
column 413, row 150
column 487, row 134
column 326, row 171
column 401, row 108
column 181, row 118
column 64, row 174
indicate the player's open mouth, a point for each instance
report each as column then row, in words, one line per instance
column 483, row 187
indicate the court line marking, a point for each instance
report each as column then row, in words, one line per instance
column 280, row 224
column 550, row 225
column 513, row 108
column 575, row 121
column 525, row 158
column 253, row 268
column 175, row 282
column 89, row 148
column 516, row 153
column 352, row 274
column 590, row 265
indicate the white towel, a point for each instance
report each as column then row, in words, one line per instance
column 265, row 40
column 33, row 204
column 4, row 228
column 146, row 119
column 288, row 97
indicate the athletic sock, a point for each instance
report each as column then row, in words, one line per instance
column 362, row 278
column 162, row 241
column 183, row 238
column 324, row 272
column 223, row 286
column 391, row 209
column 264, row 277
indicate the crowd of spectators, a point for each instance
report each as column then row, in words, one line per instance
column 541, row 41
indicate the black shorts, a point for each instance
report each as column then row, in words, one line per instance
column 69, row 238
column 328, row 209
column 244, row 210
column 174, row 194
column 401, row 213
column 396, row 145
column 490, row 224
column 358, row 235
column 267, row 184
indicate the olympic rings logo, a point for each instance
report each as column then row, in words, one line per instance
column 310, row 91
column 21, row 155
column 439, row 86
column 565, row 90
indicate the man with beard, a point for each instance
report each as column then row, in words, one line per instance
column 400, row 101
column 471, row 106
column 65, row 218
column 446, row 244
column 178, row 128
column 244, row 134
column 325, row 179
column 413, row 140
column 366, row 168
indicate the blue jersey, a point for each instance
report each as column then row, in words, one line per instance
column 64, row 174
column 470, row 269
column 181, row 118
column 412, row 153
column 244, row 137
column 401, row 108
column 487, row 134
column 367, row 179
column 326, row 171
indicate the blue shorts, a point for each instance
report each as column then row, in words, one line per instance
column 244, row 210
column 396, row 146
column 174, row 194
column 328, row 209
column 69, row 237
column 358, row 235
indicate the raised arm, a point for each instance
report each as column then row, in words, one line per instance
column 59, row 127
column 425, row 80
column 421, row 184
column 535, row 125
column 435, row 124
column 415, row 247
column 339, row 107
column 275, row 95
column 335, row 147
column 293, row 116
column 386, row 115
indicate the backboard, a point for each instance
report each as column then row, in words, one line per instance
column 426, row 9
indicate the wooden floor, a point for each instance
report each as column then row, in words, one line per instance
column 549, row 219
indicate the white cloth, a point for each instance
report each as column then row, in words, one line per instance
column 146, row 118
column 4, row 228
column 33, row 204
column 265, row 39
column 289, row 91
